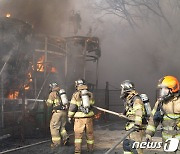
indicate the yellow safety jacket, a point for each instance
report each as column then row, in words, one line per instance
column 170, row 119
column 76, row 102
column 134, row 110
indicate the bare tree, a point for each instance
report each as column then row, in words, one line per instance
column 131, row 10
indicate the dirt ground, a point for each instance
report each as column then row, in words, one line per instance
column 106, row 135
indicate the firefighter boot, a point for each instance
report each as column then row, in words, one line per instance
column 90, row 149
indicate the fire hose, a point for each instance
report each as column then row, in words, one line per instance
column 122, row 139
column 112, row 112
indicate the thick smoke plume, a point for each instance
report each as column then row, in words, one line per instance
column 46, row 16
column 143, row 54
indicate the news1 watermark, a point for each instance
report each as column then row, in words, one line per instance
column 170, row 145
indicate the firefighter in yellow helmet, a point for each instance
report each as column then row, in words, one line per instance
column 166, row 110
column 81, row 110
column 58, row 100
column 134, row 110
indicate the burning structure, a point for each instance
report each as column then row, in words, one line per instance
column 29, row 62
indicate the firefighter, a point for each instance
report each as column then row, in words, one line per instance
column 58, row 100
column 166, row 110
column 81, row 110
column 134, row 110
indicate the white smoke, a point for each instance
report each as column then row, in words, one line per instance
column 144, row 55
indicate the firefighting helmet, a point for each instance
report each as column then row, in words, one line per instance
column 52, row 86
column 167, row 86
column 126, row 87
column 79, row 82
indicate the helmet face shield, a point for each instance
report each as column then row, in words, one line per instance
column 167, row 87
column 125, row 87
column 164, row 93
column 123, row 93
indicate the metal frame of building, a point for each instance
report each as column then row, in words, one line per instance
column 50, row 46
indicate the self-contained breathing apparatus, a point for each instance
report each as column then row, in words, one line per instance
column 81, row 86
column 63, row 100
column 147, row 106
column 85, row 103
column 63, row 97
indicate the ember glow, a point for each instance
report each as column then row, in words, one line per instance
column 98, row 115
column 13, row 95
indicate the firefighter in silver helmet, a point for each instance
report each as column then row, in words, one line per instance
column 166, row 110
column 134, row 110
column 81, row 110
column 58, row 100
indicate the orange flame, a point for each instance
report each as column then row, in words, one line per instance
column 40, row 68
column 41, row 65
column 13, row 95
column 26, row 86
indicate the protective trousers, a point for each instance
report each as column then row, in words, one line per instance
column 81, row 125
column 57, row 126
column 136, row 136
